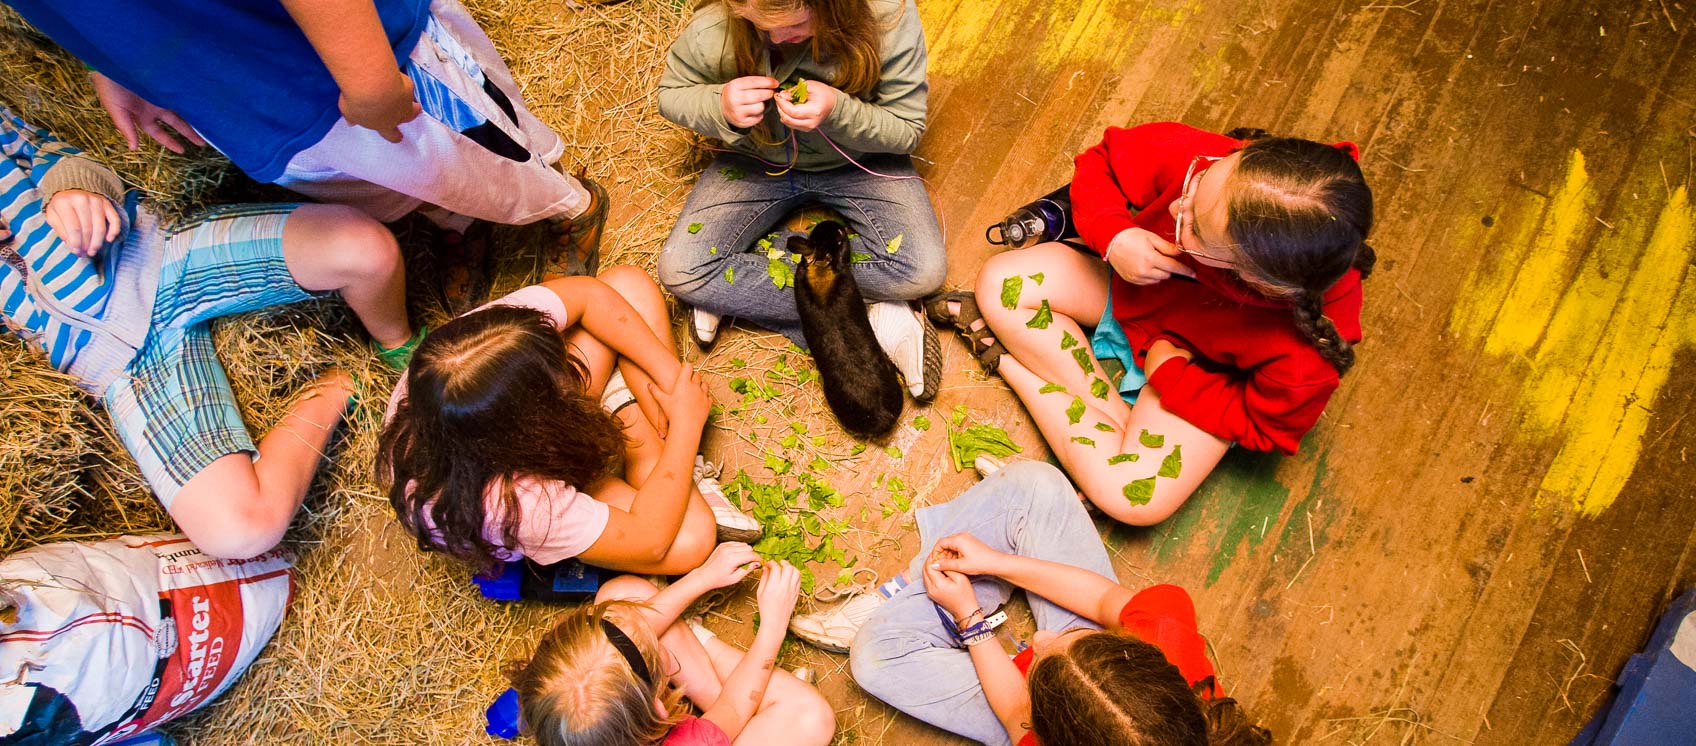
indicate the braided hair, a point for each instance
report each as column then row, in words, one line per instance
column 1299, row 213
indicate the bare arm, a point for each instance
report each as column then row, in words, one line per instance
column 745, row 688
column 349, row 37
column 607, row 316
column 1005, row 688
column 1080, row 591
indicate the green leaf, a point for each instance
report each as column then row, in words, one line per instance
column 732, row 173
column 1140, row 491
column 859, row 256
column 1010, row 289
column 893, row 452
column 777, row 464
column 1122, row 458
column 1098, row 388
column 858, row 449
column 798, row 92
column 921, row 422
column 789, row 441
column 715, row 410
column 1104, row 427
column 782, row 274
column 1081, row 355
column 695, row 228
column 818, row 464
column 958, row 416
column 818, row 440
column 1051, row 388
column 1150, row 440
column 1075, row 412
column 760, row 419
column 1173, row 464
column 1067, row 341
column 712, row 250
column 1037, row 278
column 894, row 244
column 738, row 363
column 730, row 275
column 1086, row 441
column 1044, row 316
column 799, row 427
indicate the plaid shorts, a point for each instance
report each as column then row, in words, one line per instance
column 175, row 411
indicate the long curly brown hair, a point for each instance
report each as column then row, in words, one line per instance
column 1113, row 689
column 845, row 32
column 492, row 397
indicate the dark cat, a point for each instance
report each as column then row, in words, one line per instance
column 860, row 383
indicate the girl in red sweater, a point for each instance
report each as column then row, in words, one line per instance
column 1227, row 270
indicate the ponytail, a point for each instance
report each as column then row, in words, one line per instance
column 1310, row 319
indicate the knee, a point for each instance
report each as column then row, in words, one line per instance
column 626, row 588
column 677, row 270
column 1041, row 485
column 812, row 720
column 868, row 658
column 919, row 278
column 354, row 245
column 634, row 285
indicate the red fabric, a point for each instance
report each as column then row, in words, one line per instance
column 1164, row 616
column 1255, row 380
column 694, row 731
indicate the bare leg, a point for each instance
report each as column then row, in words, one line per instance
column 330, row 247
column 236, row 507
column 695, row 539
column 1075, row 288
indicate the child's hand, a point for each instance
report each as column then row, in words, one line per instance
column 1143, row 258
column 84, row 221
column 821, row 100
column 743, row 100
column 687, row 403
column 383, row 110
column 950, row 590
column 729, row 564
column 780, row 588
column 964, row 553
column 129, row 112
column 1161, row 351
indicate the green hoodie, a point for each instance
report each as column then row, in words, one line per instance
column 890, row 120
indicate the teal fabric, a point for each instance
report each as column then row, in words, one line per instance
column 1113, row 349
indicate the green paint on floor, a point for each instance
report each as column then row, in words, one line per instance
column 1251, row 498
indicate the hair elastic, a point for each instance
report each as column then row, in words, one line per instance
column 627, row 648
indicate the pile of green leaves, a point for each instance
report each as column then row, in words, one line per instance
column 790, row 513
column 966, row 443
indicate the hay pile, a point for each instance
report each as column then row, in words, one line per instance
column 385, row 644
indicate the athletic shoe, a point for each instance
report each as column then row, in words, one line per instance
column 733, row 524
column 986, row 465
column 703, row 327
column 833, row 629
column 911, row 345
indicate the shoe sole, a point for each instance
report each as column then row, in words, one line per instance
column 829, row 647
column 745, row 535
column 932, row 365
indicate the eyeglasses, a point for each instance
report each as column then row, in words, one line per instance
column 1186, row 205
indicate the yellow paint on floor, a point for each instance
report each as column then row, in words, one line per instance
column 970, row 37
column 1592, row 320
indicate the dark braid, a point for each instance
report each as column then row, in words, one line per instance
column 1299, row 213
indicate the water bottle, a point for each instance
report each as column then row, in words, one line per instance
column 1047, row 219
column 566, row 581
column 503, row 716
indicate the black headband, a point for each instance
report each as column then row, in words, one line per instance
column 626, row 648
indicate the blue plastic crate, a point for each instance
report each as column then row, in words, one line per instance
column 1656, row 702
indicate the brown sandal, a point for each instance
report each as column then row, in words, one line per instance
column 969, row 322
column 577, row 242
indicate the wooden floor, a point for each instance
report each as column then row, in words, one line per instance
column 1499, row 501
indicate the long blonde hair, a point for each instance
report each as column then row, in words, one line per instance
column 578, row 688
column 845, row 32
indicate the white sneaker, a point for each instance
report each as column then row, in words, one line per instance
column 733, row 524
column 986, row 465
column 833, row 629
column 703, row 326
column 911, row 345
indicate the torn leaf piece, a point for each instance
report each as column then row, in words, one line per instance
column 1010, row 289
column 695, row 228
column 1173, row 464
column 1151, row 440
column 1098, row 388
column 1044, row 316
column 1104, row 427
column 1050, row 388
column 1037, row 278
column 1086, row 441
column 921, row 422
column 732, row 173
column 1122, row 459
column 730, row 275
column 859, row 256
column 894, row 244
column 798, row 92
column 1141, row 491
column 1081, row 354
column 1067, row 341
column 1075, row 412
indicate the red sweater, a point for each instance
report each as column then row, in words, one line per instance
column 1256, row 379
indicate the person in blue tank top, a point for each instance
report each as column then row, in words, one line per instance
column 389, row 106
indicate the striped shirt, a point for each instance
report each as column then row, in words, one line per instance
column 48, row 294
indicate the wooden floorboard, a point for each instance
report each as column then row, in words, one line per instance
column 1415, row 574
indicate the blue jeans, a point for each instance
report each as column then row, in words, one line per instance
column 735, row 213
column 905, row 657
